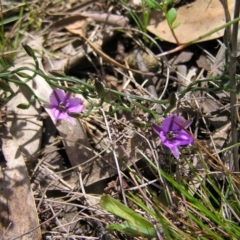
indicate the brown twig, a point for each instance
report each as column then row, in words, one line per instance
column 233, row 85
column 111, row 60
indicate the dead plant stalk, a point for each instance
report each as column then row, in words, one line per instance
column 233, row 85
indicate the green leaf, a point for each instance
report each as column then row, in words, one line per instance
column 31, row 53
column 75, row 115
column 9, row 20
column 6, row 62
column 175, row 25
column 23, row 75
column 142, row 205
column 23, row 106
column 171, row 16
column 136, row 224
column 140, row 124
column 99, row 88
column 128, row 229
column 28, row 50
column 168, row 2
column 153, row 3
column 5, row 86
column 172, row 102
column 57, row 73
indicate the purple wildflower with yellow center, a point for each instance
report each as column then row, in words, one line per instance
column 62, row 105
column 173, row 134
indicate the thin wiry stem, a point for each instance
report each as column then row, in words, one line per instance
column 115, row 158
column 233, row 85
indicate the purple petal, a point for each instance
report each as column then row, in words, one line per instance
column 175, row 151
column 170, row 144
column 163, row 137
column 183, row 138
column 76, row 109
column 75, row 105
column 173, row 147
column 58, row 114
column 171, row 123
column 157, row 129
column 57, row 96
column 187, row 123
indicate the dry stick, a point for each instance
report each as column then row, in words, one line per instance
column 215, row 161
column 236, row 179
column 233, row 85
column 111, row 60
column 58, row 222
column 156, row 162
column 4, row 233
column 112, row 19
column 206, row 125
column 115, row 157
column 98, row 155
column 227, row 18
column 163, row 58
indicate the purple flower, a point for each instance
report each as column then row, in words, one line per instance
column 62, row 104
column 172, row 133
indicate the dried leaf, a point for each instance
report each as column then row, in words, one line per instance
column 74, row 24
column 218, row 65
column 196, row 19
column 79, row 27
column 68, row 21
column 220, row 136
column 183, row 57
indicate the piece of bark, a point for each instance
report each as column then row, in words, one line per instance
column 22, row 123
column 75, row 141
column 17, row 206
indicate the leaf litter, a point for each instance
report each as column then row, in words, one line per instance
column 195, row 19
column 71, row 166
